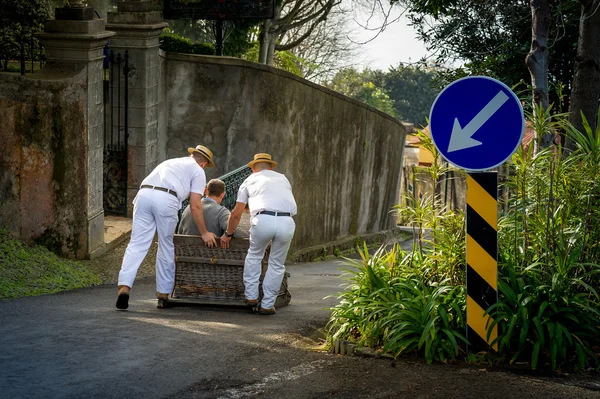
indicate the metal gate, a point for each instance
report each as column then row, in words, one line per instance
column 116, row 91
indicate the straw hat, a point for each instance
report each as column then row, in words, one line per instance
column 262, row 157
column 205, row 152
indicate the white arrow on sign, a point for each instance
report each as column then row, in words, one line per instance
column 461, row 138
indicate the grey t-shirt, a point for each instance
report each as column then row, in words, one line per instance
column 215, row 219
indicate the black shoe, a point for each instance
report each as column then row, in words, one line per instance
column 164, row 304
column 123, row 301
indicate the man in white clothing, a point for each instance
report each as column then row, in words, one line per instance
column 272, row 205
column 155, row 209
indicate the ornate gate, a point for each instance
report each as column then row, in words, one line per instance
column 116, row 90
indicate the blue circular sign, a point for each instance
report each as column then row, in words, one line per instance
column 476, row 123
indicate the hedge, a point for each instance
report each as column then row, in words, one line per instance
column 178, row 44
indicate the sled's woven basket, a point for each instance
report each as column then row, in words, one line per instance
column 215, row 275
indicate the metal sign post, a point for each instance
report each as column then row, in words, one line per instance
column 476, row 124
column 482, row 256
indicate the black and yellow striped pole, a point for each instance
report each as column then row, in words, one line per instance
column 477, row 123
column 482, row 257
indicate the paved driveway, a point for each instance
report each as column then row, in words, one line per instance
column 77, row 345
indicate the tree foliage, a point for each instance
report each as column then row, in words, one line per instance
column 239, row 34
column 494, row 38
column 18, row 21
column 360, row 86
column 412, row 89
column 294, row 22
column 327, row 49
column 408, row 91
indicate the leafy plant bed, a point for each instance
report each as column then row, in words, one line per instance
column 413, row 303
column 34, row 270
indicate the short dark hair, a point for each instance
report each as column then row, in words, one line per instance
column 199, row 157
column 215, row 187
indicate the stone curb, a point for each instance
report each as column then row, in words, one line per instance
column 347, row 348
column 348, row 245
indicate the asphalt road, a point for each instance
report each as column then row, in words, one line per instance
column 76, row 345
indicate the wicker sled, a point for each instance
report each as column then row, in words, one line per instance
column 214, row 276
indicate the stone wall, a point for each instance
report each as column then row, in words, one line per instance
column 43, row 162
column 343, row 158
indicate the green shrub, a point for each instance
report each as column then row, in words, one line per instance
column 547, row 313
column 548, row 310
column 174, row 43
column 410, row 302
column 389, row 305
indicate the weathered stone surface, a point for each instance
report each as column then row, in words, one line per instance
column 84, row 27
column 343, row 158
column 44, row 166
column 95, row 229
column 134, row 18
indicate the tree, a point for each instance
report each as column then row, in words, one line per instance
column 585, row 94
column 327, row 49
column 466, row 26
column 18, row 21
column 537, row 59
column 302, row 16
column 411, row 88
column 359, row 85
column 494, row 38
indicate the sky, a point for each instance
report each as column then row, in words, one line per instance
column 397, row 43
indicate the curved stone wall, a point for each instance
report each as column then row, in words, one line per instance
column 342, row 157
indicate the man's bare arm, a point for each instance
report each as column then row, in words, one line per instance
column 232, row 223
column 198, row 215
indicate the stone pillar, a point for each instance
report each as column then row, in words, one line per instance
column 137, row 29
column 77, row 40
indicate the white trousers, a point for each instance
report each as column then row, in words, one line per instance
column 279, row 230
column 153, row 211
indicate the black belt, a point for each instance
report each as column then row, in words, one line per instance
column 274, row 213
column 166, row 190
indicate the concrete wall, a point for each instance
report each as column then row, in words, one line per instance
column 343, row 158
column 43, row 161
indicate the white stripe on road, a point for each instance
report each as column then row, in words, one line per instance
column 289, row 375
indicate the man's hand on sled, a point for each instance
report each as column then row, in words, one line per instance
column 225, row 241
column 209, row 239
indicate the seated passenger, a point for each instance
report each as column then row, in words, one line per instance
column 215, row 215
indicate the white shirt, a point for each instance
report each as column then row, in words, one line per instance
column 182, row 175
column 267, row 190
